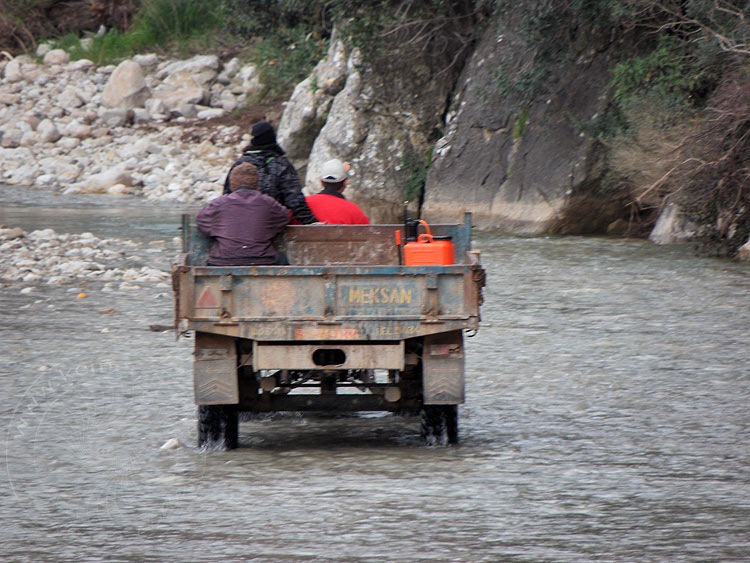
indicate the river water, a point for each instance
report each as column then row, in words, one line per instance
column 606, row 419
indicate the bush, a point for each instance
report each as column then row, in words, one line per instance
column 670, row 76
column 286, row 58
column 164, row 21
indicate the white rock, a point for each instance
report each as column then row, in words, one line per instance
column 56, row 57
column 29, row 139
column 155, row 106
column 69, row 100
column 210, row 113
column 141, row 115
column 13, row 71
column 81, row 64
column 171, row 444
column 48, row 132
column 42, row 49
column 744, row 252
column 250, row 78
column 116, row 117
column 196, row 65
column 23, row 175
column 9, row 99
column 147, row 60
column 180, row 88
column 672, row 227
column 126, row 87
column 77, row 129
column 68, row 143
column 119, row 189
column 11, row 138
column 104, row 180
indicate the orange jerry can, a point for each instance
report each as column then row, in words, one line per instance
column 428, row 250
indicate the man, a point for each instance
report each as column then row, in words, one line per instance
column 277, row 177
column 243, row 222
column 330, row 205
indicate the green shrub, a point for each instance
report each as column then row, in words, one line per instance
column 520, row 124
column 160, row 23
column 286, row 58
column 670, row 74
column 417, row 167
column 163, row 21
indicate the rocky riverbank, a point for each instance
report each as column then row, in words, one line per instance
column 139, row 128
column 45, row 257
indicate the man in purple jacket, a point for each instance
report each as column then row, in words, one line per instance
column 243, row 222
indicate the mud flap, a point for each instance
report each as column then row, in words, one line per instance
column 443, row 368
column 215, row 370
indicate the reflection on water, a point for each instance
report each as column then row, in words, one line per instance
column 606, row 419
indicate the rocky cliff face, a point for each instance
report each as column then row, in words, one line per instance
column 373, row 118
column 515, row 167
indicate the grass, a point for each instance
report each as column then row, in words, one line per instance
column 161, row 24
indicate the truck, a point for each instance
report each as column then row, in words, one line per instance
column 350, row 326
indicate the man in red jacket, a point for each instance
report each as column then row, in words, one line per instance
column 330, row 205
column 243, row 222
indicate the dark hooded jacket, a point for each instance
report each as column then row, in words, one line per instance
column 277, row 178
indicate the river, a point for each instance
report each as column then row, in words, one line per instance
column 606, row 419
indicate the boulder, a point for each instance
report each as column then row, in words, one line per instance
column 250, row 78
column 178, row 89
column 42, row 49
column 10, row 138
column 115, row 117
column 188, row 110
column 744, row 252
column 81, row 64
column 29, row 139
column 227, row 101
column 77, row 129
column 156, row 107
column 672, row 226
column 210, row 113
column 12, row 233
column 8, row 99
column 126, row 87
column 23, row 175
column 48, row 132
column 100, row 183
column 13, row 71
column 141, row 115
column 69, row 100
column 148, row 60
column 68, row 143
column 202, row 65
column 56, row 57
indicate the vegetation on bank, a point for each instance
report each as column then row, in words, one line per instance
column 680, row 86
column 678, row 125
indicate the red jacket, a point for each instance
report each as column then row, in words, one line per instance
column 242, row 225
column 332, row 207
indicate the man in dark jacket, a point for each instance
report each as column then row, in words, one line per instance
column 243, row 222
column 277, row 177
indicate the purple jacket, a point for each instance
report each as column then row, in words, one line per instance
column 242, row 225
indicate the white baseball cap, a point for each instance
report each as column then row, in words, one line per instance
column 334, row 171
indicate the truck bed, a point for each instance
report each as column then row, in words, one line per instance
column 345, row 283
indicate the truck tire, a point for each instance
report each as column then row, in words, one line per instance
column 218, row 427
column 439, row 425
